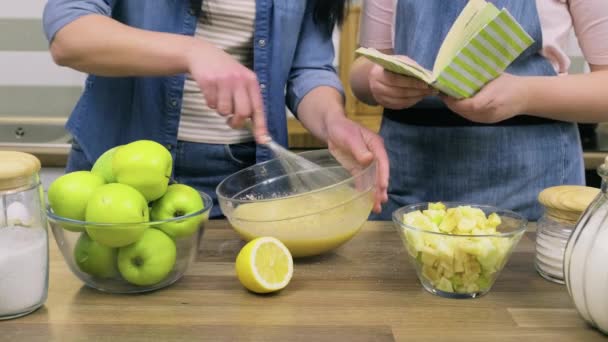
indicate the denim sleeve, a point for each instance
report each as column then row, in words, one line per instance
column 58, row 13
column 313, row 62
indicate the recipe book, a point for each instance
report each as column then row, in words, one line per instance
column 481, row 44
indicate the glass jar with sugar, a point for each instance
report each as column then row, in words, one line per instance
column 23, row 236
column 563, row 205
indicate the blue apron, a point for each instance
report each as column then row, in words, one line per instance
column 444, row 157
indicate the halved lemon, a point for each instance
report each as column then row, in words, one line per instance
column 264, row 265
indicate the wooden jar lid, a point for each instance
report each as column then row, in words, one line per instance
column 16, row 169
column 567, row 202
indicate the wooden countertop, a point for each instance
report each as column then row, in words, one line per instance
column 366, row 290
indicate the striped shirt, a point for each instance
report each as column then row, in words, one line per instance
column 228, row 24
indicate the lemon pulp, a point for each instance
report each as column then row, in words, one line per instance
column 271, row 263
column 264, row 265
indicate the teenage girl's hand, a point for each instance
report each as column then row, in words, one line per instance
column 501, row 99
column 229, row 87
column 395, row 91
column 355, row 147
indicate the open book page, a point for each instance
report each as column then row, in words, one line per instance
column 396, row 65
column 485, row 56
column 458, row 34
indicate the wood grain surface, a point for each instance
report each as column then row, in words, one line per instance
column 364, row 291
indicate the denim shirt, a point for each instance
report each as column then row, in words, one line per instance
column 292, row 56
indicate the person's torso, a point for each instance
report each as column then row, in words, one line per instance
column 117, row 110
column 228, row 25
column 499, row 164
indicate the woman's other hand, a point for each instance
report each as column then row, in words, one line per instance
column 501, row 99
column 395, row 91
column 355, row 147
column 229, row 88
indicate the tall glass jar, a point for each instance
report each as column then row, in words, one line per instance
column 563, row 205
column 23, row 236
column 586, row 259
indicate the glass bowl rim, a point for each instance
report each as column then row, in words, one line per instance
column 523, row 222
column 359, row 174
column 207, row 203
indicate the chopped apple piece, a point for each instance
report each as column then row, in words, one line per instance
column 418, row 220
column 466, row 224
column 428, row 258
column 494, row 220
column 436, row 206
column 436, row 216
column 444, row 285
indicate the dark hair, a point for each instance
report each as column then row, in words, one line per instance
column 327, row 13
column 196, row 6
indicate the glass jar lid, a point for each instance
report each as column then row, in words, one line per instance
column 16, row 169
column 567, row 202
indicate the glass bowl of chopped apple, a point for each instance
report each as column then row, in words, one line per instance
column 458, row 249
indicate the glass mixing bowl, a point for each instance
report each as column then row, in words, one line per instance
column 311, row 211
column 459, row 266
column 151, row 264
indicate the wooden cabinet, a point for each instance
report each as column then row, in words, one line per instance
column 369, row 116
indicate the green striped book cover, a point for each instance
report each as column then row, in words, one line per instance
column 481, row 44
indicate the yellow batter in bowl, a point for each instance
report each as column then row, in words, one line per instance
column 308, row 224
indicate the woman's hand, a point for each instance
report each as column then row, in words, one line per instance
column 229, row 87
column 355, row 147
column 501, row 99
column 395, row 91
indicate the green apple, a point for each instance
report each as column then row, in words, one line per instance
column 69, row 194
column 145, row 165
column 95, row 259
column 103, row 165
column 119, row 204
column 179, row 200
column 149, row 260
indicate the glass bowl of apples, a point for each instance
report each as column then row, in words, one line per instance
column 458, row 249
column 122, row 227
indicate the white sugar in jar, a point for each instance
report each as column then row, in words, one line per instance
column 24, row 263
column 23, row 269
